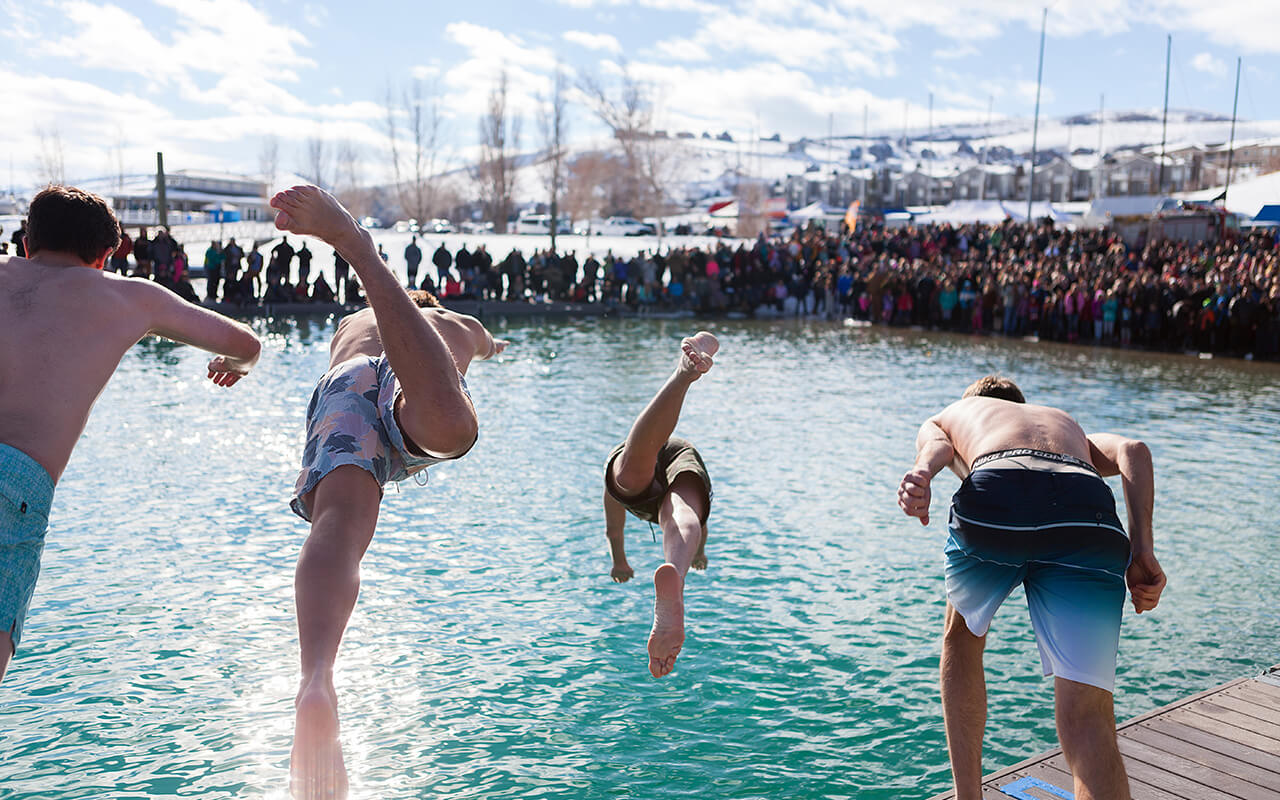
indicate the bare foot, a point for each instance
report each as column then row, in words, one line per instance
column 696, row 352
column 311, row 211
column 316, row 768
column 667, row 636
column 621, row 573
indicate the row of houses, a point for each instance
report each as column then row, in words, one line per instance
column 1058, row 178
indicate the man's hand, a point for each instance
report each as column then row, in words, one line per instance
column 498, row 346
column 621, row 573
column 225, row 371
column 1146, row 581
column 914, row 494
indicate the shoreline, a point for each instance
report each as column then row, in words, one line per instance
column 488, row 309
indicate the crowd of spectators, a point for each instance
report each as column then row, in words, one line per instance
column 1013, row 279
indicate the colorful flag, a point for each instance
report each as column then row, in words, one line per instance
column 851, row 216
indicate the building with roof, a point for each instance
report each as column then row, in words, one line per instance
column 192, row 197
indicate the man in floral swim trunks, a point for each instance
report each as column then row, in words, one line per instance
column 393, row 401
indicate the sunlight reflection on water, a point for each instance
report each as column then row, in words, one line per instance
column 491, row 657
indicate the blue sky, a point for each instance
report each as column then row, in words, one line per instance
column 205, row 80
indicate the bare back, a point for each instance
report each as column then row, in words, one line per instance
column 980, row 425
column 357, row 335
column 65, row 330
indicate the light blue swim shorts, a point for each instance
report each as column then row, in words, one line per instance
column 351, row 420
column 1046, row 521
column 26, row 492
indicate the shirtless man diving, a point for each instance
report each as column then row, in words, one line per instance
column 1033, row 509
column 67, row 324
column 661, row 478
column 393, row 402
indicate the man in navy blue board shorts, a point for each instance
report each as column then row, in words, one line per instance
column 1033, row 509
column 661, row 478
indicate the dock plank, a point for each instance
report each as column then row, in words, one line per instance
column 1258, row 693
column 1192, row 752
column 1215, row 776
column 1220, row 744
column 1212, row 724
column 1221, row 708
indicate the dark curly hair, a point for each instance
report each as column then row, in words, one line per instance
column 64, row 219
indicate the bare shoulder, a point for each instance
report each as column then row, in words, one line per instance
column 953, row 412
column 363, row 316
column 456, row 320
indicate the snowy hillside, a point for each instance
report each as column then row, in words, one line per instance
column 708, row 167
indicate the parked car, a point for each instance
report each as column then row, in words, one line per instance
column 442, row 226
column 623, row 226
column 477, row 227
column 370, row 222
column 407, row 226
column 541, row 223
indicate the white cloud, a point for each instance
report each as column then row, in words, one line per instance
column 315, row 15
column 1205, row 62
column 660, row 5
column 1245, row 24
column 469, row 81
column 956, row 51
column 810, row 47
column 593, row 41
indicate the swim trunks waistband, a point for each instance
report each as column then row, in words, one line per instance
column 1061, row 458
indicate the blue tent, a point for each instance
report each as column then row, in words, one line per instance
column 1270, row 213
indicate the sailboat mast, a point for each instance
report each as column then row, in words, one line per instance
column 1164, row 126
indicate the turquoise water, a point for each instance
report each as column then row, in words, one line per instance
column 491, row 657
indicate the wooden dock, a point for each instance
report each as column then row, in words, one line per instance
column 1223, row 744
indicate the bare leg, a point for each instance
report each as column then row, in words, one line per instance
column 615, row 522
column 6, row 652
column 633, row 468
column 964, row 703
column 344, row 513
column 1087, row 730
column 681, row 520
column 436, row 414
column 700, row 557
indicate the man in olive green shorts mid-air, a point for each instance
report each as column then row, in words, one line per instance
column 661, row 478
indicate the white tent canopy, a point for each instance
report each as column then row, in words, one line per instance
column 815, row 210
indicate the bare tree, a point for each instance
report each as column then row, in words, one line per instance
column 49, row 161
column 416, row 149
column 269, row 160
column 590, row 178
column 316, row 161
column 499, row 141
column 554, row 126
column 752, row 196
column 651, row 160
column 347, row 183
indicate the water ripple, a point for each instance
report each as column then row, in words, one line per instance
column 491, row 657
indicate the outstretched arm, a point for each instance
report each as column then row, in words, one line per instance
column 235, row 346
column 1131, row 460
column 933, row 452
column 487, row 345
column 615, row 523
